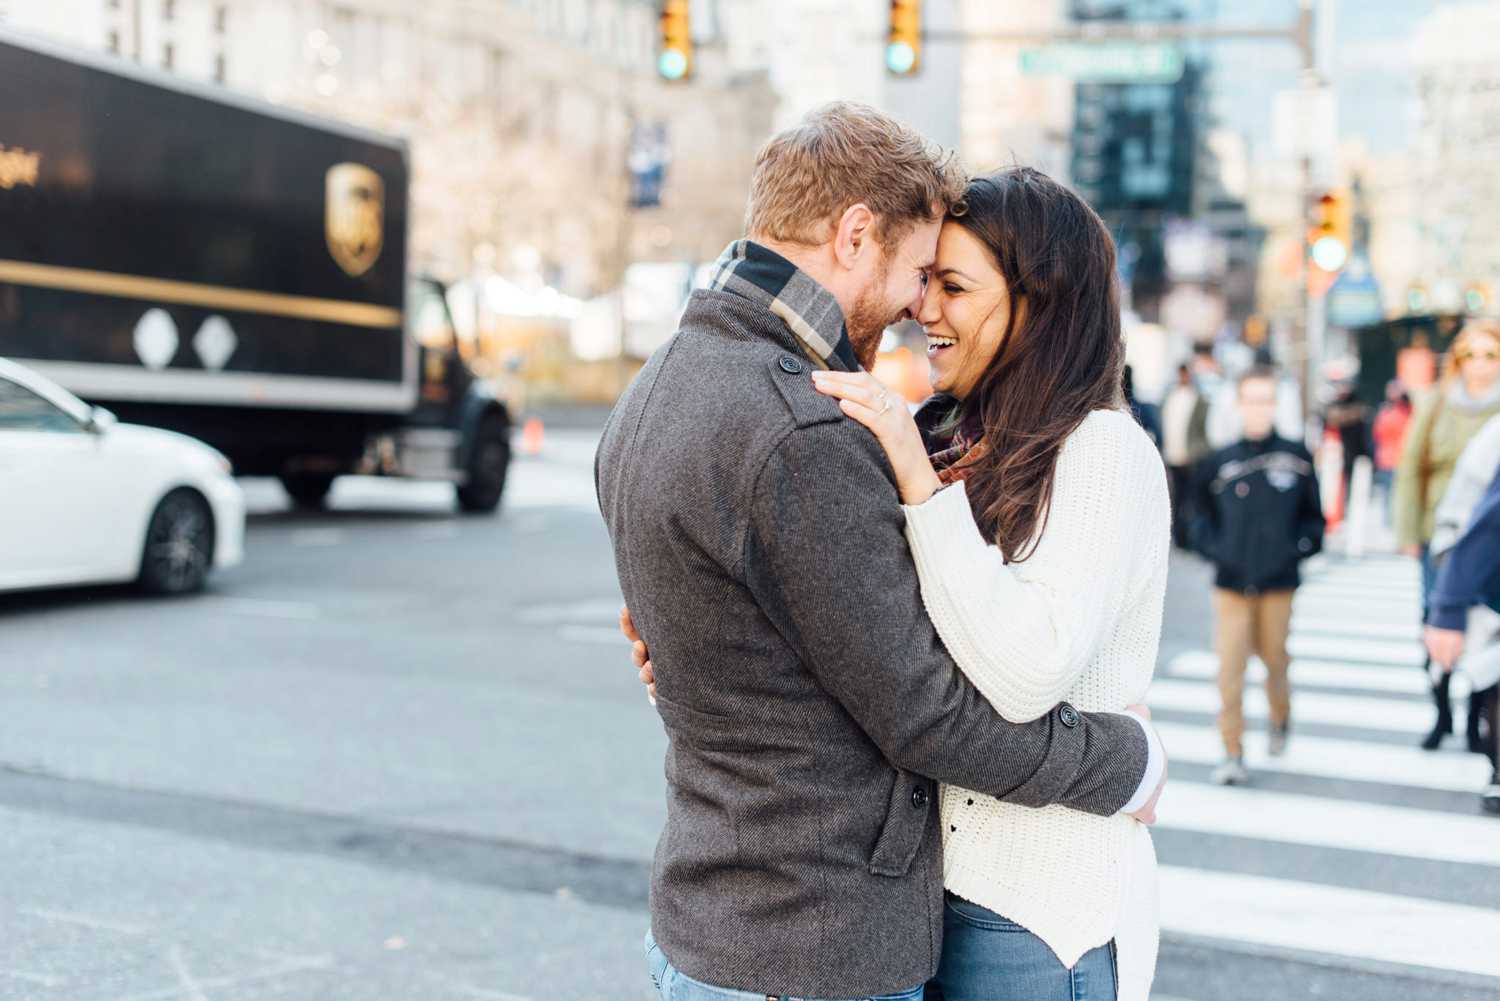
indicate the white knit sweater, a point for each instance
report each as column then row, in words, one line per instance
column 1079, row 621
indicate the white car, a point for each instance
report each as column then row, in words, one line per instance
column 85, row 499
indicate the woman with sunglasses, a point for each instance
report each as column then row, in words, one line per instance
column 1467, row 396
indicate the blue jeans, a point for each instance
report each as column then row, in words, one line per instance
column 989, row 958
column 674, row 985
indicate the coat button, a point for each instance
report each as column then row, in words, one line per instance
column 1068, row 715
column 1242, row 490
column 790, row 365
column 919, row 798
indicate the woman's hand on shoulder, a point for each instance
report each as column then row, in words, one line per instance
column 862, row 397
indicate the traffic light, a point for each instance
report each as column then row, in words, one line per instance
column 1478, row 298
column 903, row 47
column 1329, row 236
column 674, row 61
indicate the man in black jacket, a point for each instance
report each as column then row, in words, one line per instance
column 1258, row 515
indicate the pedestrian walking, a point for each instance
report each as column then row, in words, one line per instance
column 1388, row 431
column 1468, row 579
column 1257, row 517
column 1476, row 469
column 1184, row 443
column 1467, row 396
column 1348, row 417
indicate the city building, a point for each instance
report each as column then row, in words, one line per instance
column 1452, row 161
column 523, row 116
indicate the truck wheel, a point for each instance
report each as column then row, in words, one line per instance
column 307, row 490
column 488, row 464
column 179, row 545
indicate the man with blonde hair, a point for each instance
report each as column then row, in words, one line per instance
column 759, row 542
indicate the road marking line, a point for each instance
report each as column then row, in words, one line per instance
column 1200, row 664
column 1307, row 707
column 476, row 992
column 40, row 979
column 1330, row 823
column 1395, row 652
column 589, row 610
column 266, row 607
column 179, row 966
column 1330, row 758
column 317, row 536
column 1335, row 920
column 440, row 530
column 86, row 921
column 1409, row 630
column 601, row 635
column 213, row 983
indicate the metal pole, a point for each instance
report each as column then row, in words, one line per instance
column 1307, row 349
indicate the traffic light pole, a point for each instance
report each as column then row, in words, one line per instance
column 1307, row 346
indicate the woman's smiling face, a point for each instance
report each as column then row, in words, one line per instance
column 965, row 311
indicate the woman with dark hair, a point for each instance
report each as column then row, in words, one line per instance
column 1039, row 520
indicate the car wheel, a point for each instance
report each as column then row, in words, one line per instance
column 488, row 465
column 179, row 545
column 307, row 490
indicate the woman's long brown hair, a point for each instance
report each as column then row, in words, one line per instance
column 1062, row 356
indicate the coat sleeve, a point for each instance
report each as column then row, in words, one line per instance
column 1407, row 509
column 827, row 560
column 1311, row 523
column 1471, row 574
column 1204, row 527
column 1024, row 632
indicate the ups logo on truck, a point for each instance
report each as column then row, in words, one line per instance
column 354, row 216
column 18, row 167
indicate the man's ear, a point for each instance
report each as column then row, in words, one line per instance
column 854, row 237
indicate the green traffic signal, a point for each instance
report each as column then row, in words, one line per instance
column 900, row 57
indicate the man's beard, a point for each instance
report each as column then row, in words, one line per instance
column 868, row 319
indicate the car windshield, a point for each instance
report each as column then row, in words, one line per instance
column 23, row 410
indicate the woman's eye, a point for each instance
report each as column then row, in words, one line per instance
column 951, row 289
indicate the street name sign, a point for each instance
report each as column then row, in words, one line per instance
column 1106, row 62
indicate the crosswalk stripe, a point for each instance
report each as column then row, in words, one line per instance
column 1331, row 823
column 1353, row 923
column 1307, row 707
column 1337, row 759
column 1398, row 653
column 1406, row 629
column 1200, row 664
column 1355, row 637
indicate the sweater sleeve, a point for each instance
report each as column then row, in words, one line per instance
column 1023, row 633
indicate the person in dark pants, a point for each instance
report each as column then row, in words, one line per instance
column 1184, row 443
column 1470, row 576
column 1257, row 517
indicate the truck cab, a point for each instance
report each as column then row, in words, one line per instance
column 459, row 429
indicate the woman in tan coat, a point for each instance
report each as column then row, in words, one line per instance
column 1467, row 396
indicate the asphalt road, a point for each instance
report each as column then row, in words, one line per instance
column 400, row 754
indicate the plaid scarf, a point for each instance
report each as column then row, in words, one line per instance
column 952, row 447
column 810, row 311
column 956, row 462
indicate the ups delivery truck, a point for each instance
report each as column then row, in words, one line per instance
column 203, row 262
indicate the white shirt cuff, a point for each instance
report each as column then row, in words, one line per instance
column 1156, row 764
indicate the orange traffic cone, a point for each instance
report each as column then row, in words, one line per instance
column 531, row 436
